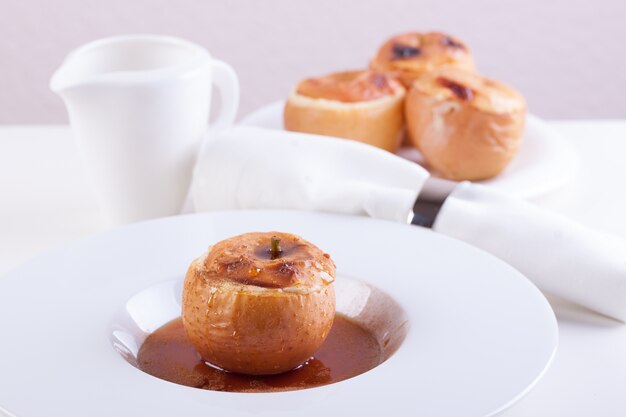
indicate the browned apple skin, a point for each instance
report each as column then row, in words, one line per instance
column 257, row 330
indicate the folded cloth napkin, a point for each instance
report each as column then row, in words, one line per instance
column 248, row 168
column 560, row 256
column 245, row 167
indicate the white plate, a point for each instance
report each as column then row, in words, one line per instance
column 480, row 335
column 544, row 163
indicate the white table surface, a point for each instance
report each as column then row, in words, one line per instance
column 45, row 202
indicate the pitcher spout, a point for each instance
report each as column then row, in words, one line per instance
column 128, row 60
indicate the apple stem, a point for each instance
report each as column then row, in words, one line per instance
column 275, row 249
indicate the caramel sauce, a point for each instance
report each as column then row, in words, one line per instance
column 349, row 350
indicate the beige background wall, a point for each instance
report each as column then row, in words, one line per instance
column 567, row 56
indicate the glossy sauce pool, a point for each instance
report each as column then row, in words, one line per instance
column 349, row 350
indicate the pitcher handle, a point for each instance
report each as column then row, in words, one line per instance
column 227, row 84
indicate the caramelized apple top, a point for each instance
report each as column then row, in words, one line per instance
column 471, row 89
column 268, row 260
column 349, row 86
column 409, row 55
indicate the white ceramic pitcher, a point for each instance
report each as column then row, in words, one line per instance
column 139, row 106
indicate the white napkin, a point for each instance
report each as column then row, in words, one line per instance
column 246, row 167
column 560, row 256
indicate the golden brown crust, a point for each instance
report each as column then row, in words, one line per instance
column 410, row 55
column 378, row 122
column 347, row 86
column 256, row 329
column 246, row 259
column 466, row 126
